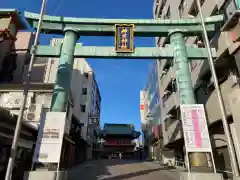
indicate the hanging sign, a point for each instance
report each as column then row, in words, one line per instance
column 124, row 38
column 195, row 129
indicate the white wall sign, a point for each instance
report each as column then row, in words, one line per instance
column 195, row 129
column 50, row 138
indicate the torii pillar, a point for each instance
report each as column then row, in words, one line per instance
column 64, row 73
column 198, row 160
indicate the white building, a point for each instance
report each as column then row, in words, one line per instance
column 144, row 109
column 84, row 92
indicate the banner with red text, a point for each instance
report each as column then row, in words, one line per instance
column 195, row 129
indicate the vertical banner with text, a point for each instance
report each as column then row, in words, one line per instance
column 195, row 128
column 50, row 138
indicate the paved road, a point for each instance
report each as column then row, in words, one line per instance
column 115, row 169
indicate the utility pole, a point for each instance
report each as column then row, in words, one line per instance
column 219, row 95
column 25, row 94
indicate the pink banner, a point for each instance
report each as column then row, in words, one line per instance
column 197, row 132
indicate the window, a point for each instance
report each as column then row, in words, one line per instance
column 194, row 9
column 9, row 64
column 201, row 2
column 84, row 91
column 181, row 7
column 215, row 11
column 83, row 108
column 174, row 86
column 86, row 75
column 162, row 5
column 156, row 10
column 168, row 14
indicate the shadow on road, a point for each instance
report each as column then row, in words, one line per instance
column 111, row 170
column 131, row 175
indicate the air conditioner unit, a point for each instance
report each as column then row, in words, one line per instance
column 13, row 100
column 34, row 112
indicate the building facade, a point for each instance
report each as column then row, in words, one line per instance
column 151, row 115
column 225, row 40
column 84, row 99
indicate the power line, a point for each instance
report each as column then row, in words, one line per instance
column 58, row 7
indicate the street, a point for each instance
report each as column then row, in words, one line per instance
column 115, row 169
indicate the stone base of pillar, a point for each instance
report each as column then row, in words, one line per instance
column 45, row 175
column 200, row 176
column 236, row 178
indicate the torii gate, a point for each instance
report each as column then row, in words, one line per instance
column 73, row 28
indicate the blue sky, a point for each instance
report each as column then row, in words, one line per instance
column 119, row 80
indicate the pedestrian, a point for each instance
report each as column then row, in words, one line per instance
column 120, row 155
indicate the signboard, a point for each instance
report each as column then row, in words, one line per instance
column 195, row 128
column 50, row 138
column 124, row 38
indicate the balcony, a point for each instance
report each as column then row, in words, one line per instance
column 158, row 7
column 171, row 103
column 162, row 64
column 212, row 110
column 173, row 131
column 167, row 79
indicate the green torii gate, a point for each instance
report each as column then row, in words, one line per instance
column 73, row 28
